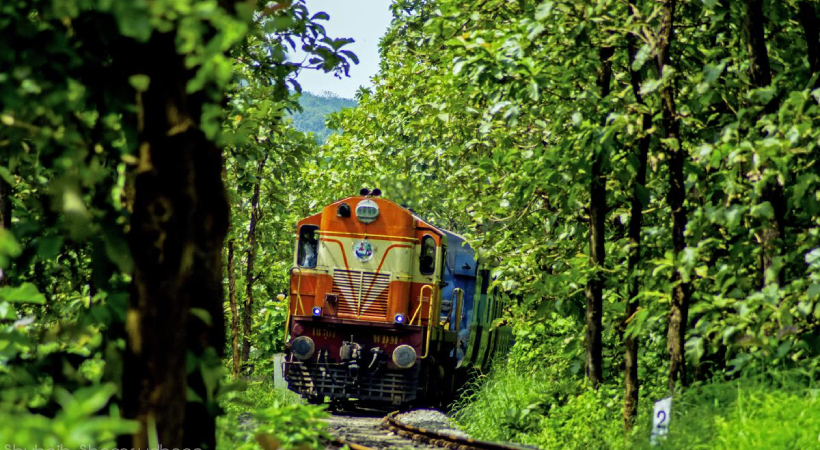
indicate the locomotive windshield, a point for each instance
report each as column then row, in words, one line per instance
column 427, row 258
column 308, row 246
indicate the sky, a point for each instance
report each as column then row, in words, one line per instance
column 366, row 21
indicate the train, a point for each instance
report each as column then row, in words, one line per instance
column 385, row 308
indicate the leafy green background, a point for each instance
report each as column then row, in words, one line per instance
column 485, row 118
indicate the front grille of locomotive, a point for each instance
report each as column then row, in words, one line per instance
column 362, row 294
column 335, row 381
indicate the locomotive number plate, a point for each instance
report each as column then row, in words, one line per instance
column 385, row 339
column 319, row 332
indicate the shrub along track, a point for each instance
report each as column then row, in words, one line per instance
column 391, row 432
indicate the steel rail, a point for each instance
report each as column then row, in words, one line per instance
column 442, row 439
column 429, row 437
column 341, row 442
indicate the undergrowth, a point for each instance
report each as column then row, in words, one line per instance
column 529, row 406
column 257, row 414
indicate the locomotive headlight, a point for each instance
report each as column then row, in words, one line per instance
column 302, row 348
column 367, row 211
column 399, row 318
column 317, row 311
column 404, row 356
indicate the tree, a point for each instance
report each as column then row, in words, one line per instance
column 236, row 357
column 637, row 203
column 112, row 121
column 679, row 308
column 250, row 276
column 597, row 231
column 807, row 14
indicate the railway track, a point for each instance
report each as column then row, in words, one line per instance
column 391, row 432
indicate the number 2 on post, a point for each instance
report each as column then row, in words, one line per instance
column 662, row 416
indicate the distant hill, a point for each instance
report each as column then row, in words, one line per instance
column 315, row 109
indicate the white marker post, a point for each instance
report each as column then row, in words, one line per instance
column 660, row 420
column 278, row 371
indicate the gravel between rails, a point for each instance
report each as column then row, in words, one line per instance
column 431, row 419
column 368, row 431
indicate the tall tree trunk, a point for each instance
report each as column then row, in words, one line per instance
column 679, row 308
column 179, row 221
column 811, row 28
column 753, row 22
column 5, row 215
column 631, row 383
column 597, row 215
column 249, row 276
column 761, row 76
column 234, row 311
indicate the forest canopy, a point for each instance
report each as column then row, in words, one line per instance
column 641, row 175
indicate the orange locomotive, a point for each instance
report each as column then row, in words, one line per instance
column 380, row 311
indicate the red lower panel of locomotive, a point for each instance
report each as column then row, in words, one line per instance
column 347, row 361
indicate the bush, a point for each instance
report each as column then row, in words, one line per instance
column 259, row 415
column 744, row 414
column 533, row 408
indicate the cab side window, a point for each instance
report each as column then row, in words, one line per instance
column 427, row 258
column 308, row 246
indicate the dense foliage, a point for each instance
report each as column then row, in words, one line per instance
column 640, row 174
column 116, row 119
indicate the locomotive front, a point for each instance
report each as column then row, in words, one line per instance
column 363, row 288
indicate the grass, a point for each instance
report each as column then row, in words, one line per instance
column 534, row 408
column 746, row 414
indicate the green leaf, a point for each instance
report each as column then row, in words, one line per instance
column 651, row 86
column 764, row 210
column 320, row 16
column 458, row 66
column 94, row 398
column 543, row 10
column 671, row 143
column 7, row 311
column 643, row 194
column 140, row 82
column 5, row 174
column 117, row 250
column 134, row 20
column 9, row 248
column 532, row 90
column 203, row 315
column 352, row 56
column 641, row 56
column 813, row 259
column 25, row 293
column 49, row 247
column 694, row 349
